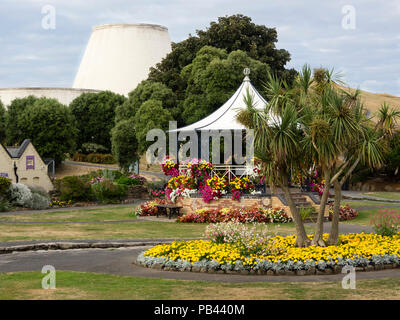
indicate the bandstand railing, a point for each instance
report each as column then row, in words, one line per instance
column 229, row 172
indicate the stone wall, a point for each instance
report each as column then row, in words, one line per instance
column 194, row 203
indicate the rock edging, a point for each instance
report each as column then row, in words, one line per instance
column 73, row 245
column 160, row 263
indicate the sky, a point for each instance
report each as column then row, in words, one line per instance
column 359, row 39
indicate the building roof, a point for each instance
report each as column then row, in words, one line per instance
column 224, row 118
column 16, row 152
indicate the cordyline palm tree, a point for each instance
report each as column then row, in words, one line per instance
column 368, row 148
column 276, row 143
column 319, row 125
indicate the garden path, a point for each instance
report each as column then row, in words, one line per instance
column 120, row 262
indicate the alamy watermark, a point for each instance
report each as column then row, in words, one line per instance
column 49, row 19
column 349, row 280
column 349, row 18
column 49, row 280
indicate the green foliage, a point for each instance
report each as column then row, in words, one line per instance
column 14, row 127
column 129, row 181
column 386, row 222
column 100, row 158
column 213, row 77
column 74, row 188
column 151, row 115
column 393, row 157
column 124, row 143
column 306, row 212
column 5, row 184
column 90, row 147
column 2, row 122
column 147, row 90
column 231, row 33
column 108, row 192
column 95, row 113
column 51, row 127
column 4, row 205
column 94, row 158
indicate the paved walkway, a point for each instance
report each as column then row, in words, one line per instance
column 113, row 167
column 359, row 195
column 120, row 262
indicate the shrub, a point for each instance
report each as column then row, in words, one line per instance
column 4, row 205
column 132, row 180
column 386, row 222
column 108, row 192
column 345, row 213
column 306, row 212
column 90, row 147
column 5, row 184
column 100, row 158
column 79, row 157
column 29, row 197
column 37, row 202
column 149, row 208
column 20, row 194
column 74, row 188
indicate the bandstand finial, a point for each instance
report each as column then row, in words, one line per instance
column 246, row 72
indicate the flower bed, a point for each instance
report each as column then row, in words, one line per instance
column 261, row 215
column 278, row 255
column 149, row 208
column 345, row 213
column 195, row 176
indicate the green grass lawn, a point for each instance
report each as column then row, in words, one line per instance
column 129, row 230
column 77, row 285
column 101, row 214
column 86, row 231
column 364, row 216
column 366, row 203
column 384, row 195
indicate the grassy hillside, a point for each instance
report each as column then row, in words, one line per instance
column 373, row 101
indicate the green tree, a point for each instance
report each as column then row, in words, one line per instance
column 277, row 144
column 319, row 124
column 213, row 77
column 124, row 143
column 236, row 32
column 393, row 157
column 95, row 114
column 2, row 123
column 151, row 115
column 148, row 90
column 14, row 131
column 51, row 127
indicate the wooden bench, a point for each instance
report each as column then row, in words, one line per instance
column 164, row 208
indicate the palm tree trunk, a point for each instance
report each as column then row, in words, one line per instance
column 302, row 239
column 334, row 235
column 319, row 230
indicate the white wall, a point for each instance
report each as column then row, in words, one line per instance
column 118, row 56
column 65, row 96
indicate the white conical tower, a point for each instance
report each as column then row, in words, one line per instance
column 118, row 56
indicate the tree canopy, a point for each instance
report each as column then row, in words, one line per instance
column 124, row 143
column 147, row 90
column 151, row 115
column 231, row 33
column 14, row 131
column 213, row 77
column 51, row 127
column 95, row 115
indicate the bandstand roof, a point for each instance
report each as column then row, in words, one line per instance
column 224, row 118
